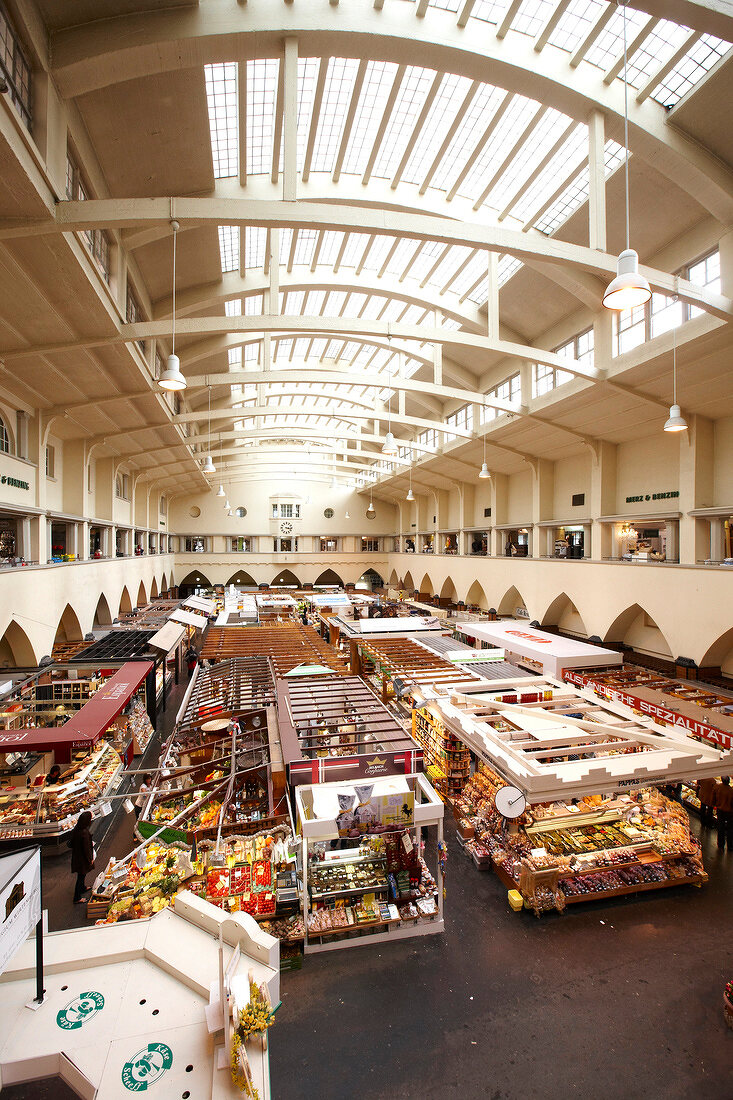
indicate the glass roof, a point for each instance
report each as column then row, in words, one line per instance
column 421, row 132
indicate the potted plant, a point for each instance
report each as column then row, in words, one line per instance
column 728, row 1003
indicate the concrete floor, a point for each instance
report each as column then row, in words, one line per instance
column 602, row 1002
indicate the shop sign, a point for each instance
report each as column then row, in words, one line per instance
column 20, row 901
column 79, row 1010
column 13, row 482
column 168, row 836
column 658, row 712
column 653, row 496
column 147, row 1067
column 521, row 612
column 335, row 769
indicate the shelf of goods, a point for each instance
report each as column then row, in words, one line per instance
column 50, row 812
column 560, row 854
column 73, row 691
column 343, row 888
column 240, row 878
column 447, row 759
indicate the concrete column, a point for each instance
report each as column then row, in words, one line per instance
column 25, row 549
column 543, row 479
column 716, row 539
column 695, row 486
column 597, row 181
column 83, row 540
column 602, row 500
column 290, row 119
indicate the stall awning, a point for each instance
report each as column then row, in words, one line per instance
column 201, row 604
column 167, row 637
column 88, row 724
column 190, row 618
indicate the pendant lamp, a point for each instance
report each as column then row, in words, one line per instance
column 390, row 446
column 208, row 466
column 484, row 471
column 629, row 288
column 171, row 378
column 676, row 421
column 220, row 491
column 410, row 495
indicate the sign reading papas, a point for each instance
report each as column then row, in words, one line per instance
column 81, row 1009
column 147, row 1067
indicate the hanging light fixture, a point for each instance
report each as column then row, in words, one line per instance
column 220, row 491
column 346, row 515
column 410, row 495
column 676, row 421
column 208, row 466
column 171, row 378
column 629, row 288
column 484, row 471
column 390, row 446
column 371, row 510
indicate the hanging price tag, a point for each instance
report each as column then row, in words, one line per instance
column 407, row 843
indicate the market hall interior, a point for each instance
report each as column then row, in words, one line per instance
column 298, row 293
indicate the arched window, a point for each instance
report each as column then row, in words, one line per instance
column 163, row 505
column 4, row 438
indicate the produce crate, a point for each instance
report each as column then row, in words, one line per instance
column 292, row 961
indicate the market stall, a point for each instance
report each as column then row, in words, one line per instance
column 286, row 644
column 396, row 664
column 364, row 875
column 536, row 650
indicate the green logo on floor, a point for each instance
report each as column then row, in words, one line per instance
column 146, row 1067
column 81, row 1009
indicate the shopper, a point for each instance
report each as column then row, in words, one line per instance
column 54, row 776
column 191, row 660
column 705, row 792
column 723, row 802
column 142, row 795
column 82, row 854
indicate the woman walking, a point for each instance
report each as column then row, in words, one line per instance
column 82, row 854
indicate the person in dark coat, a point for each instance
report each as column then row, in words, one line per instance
column 723, row 802
column 82, row 854
column 705, row 792
column 191, row 660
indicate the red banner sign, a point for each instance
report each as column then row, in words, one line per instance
column 656, row 711
column 343, row 769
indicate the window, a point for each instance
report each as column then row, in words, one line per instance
column 577, row 499
column 705, row 272
column 194, row 545
column 4, row 438
column 50, row 461
column 122, row 486
column 286, row 511
column 15, row 68
column 241, row 545
column 327, row 545
column 509, row 391
column 241, row 513
column 96, row 240
column 461, row 418
column 285, row 546
column 369, row 546
column 328, row 513
column 162, row 507
column 133, row 313
column 90, row 477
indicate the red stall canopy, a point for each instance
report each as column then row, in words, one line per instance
column 88, row 724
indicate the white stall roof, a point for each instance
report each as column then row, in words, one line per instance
column 201, row 603
column 167, row 637
column 550, row 652
column 190, row 618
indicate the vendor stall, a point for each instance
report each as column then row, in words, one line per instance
column 364, row 876
column 536, row 650
column 286, row 644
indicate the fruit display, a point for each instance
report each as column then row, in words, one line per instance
column 142, row 891
column 338, row 878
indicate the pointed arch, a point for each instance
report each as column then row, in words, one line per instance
column 154, row 589
column 370, row 579
column 242, row 578
column 476, row 597
column 142, row 599
column 448, row 591
column 563, row 614
column 426, row 585
column 69, row 628
column 720, row 654
column 102, row 614
column 510, row 601
column 16, row 650
column 125, row 603
column 285, row 579
column 329, row 576
column 394, row 580
column 636, row 629
column 164, row 584
column 192, row 580
column 408, row 583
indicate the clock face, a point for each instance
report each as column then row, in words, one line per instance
column 510, row 802
column 286, row 528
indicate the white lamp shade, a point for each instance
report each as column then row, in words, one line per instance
column 171, row 378
column 390, row 447
column 229, row 513
column 484, row 471
column 347, row 516
column 220, row 491
column 676, row 422
column 629, row 288
column 208, row 466
column 227, row 504
column 410, row 495
column 371, row 510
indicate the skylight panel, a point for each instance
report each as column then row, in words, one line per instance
column 515, row 119
column 233, row 308
column 526, row 159
column 532, row 16
column 334, row 302
column 701, row 57
column 251, row 352
column 295, row 302
column 480, row 293
column 229, row 247
column 610, row 42
column 255, row 238
column 415, row 86
column 262, row 78
column 235, row 358
column 378, row 253
column 450, row 96
column 575, row 23
column 374, row 307
column 336, row 97
column 570, row 155
column 354, row 250
column 286, row 240
column 427, row 256
column 253, row 304
column 370, row 109
column 413, row 314
column 571, row 198
column 445, row 5
column 473, row 270
column 307, row 77
column 480, row 112
column 453, row 260
column 355, row 306
column 402, row 255
column 306, row 243
column 656, row 49
column 508, row 266
column 394, row 310
column 330, row 246
column 222, row 102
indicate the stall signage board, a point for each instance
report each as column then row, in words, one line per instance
column 334, row 769
column 88, row 724
column 20, row 901
column 525, row 644
column 168, row 835
column 657, row 711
